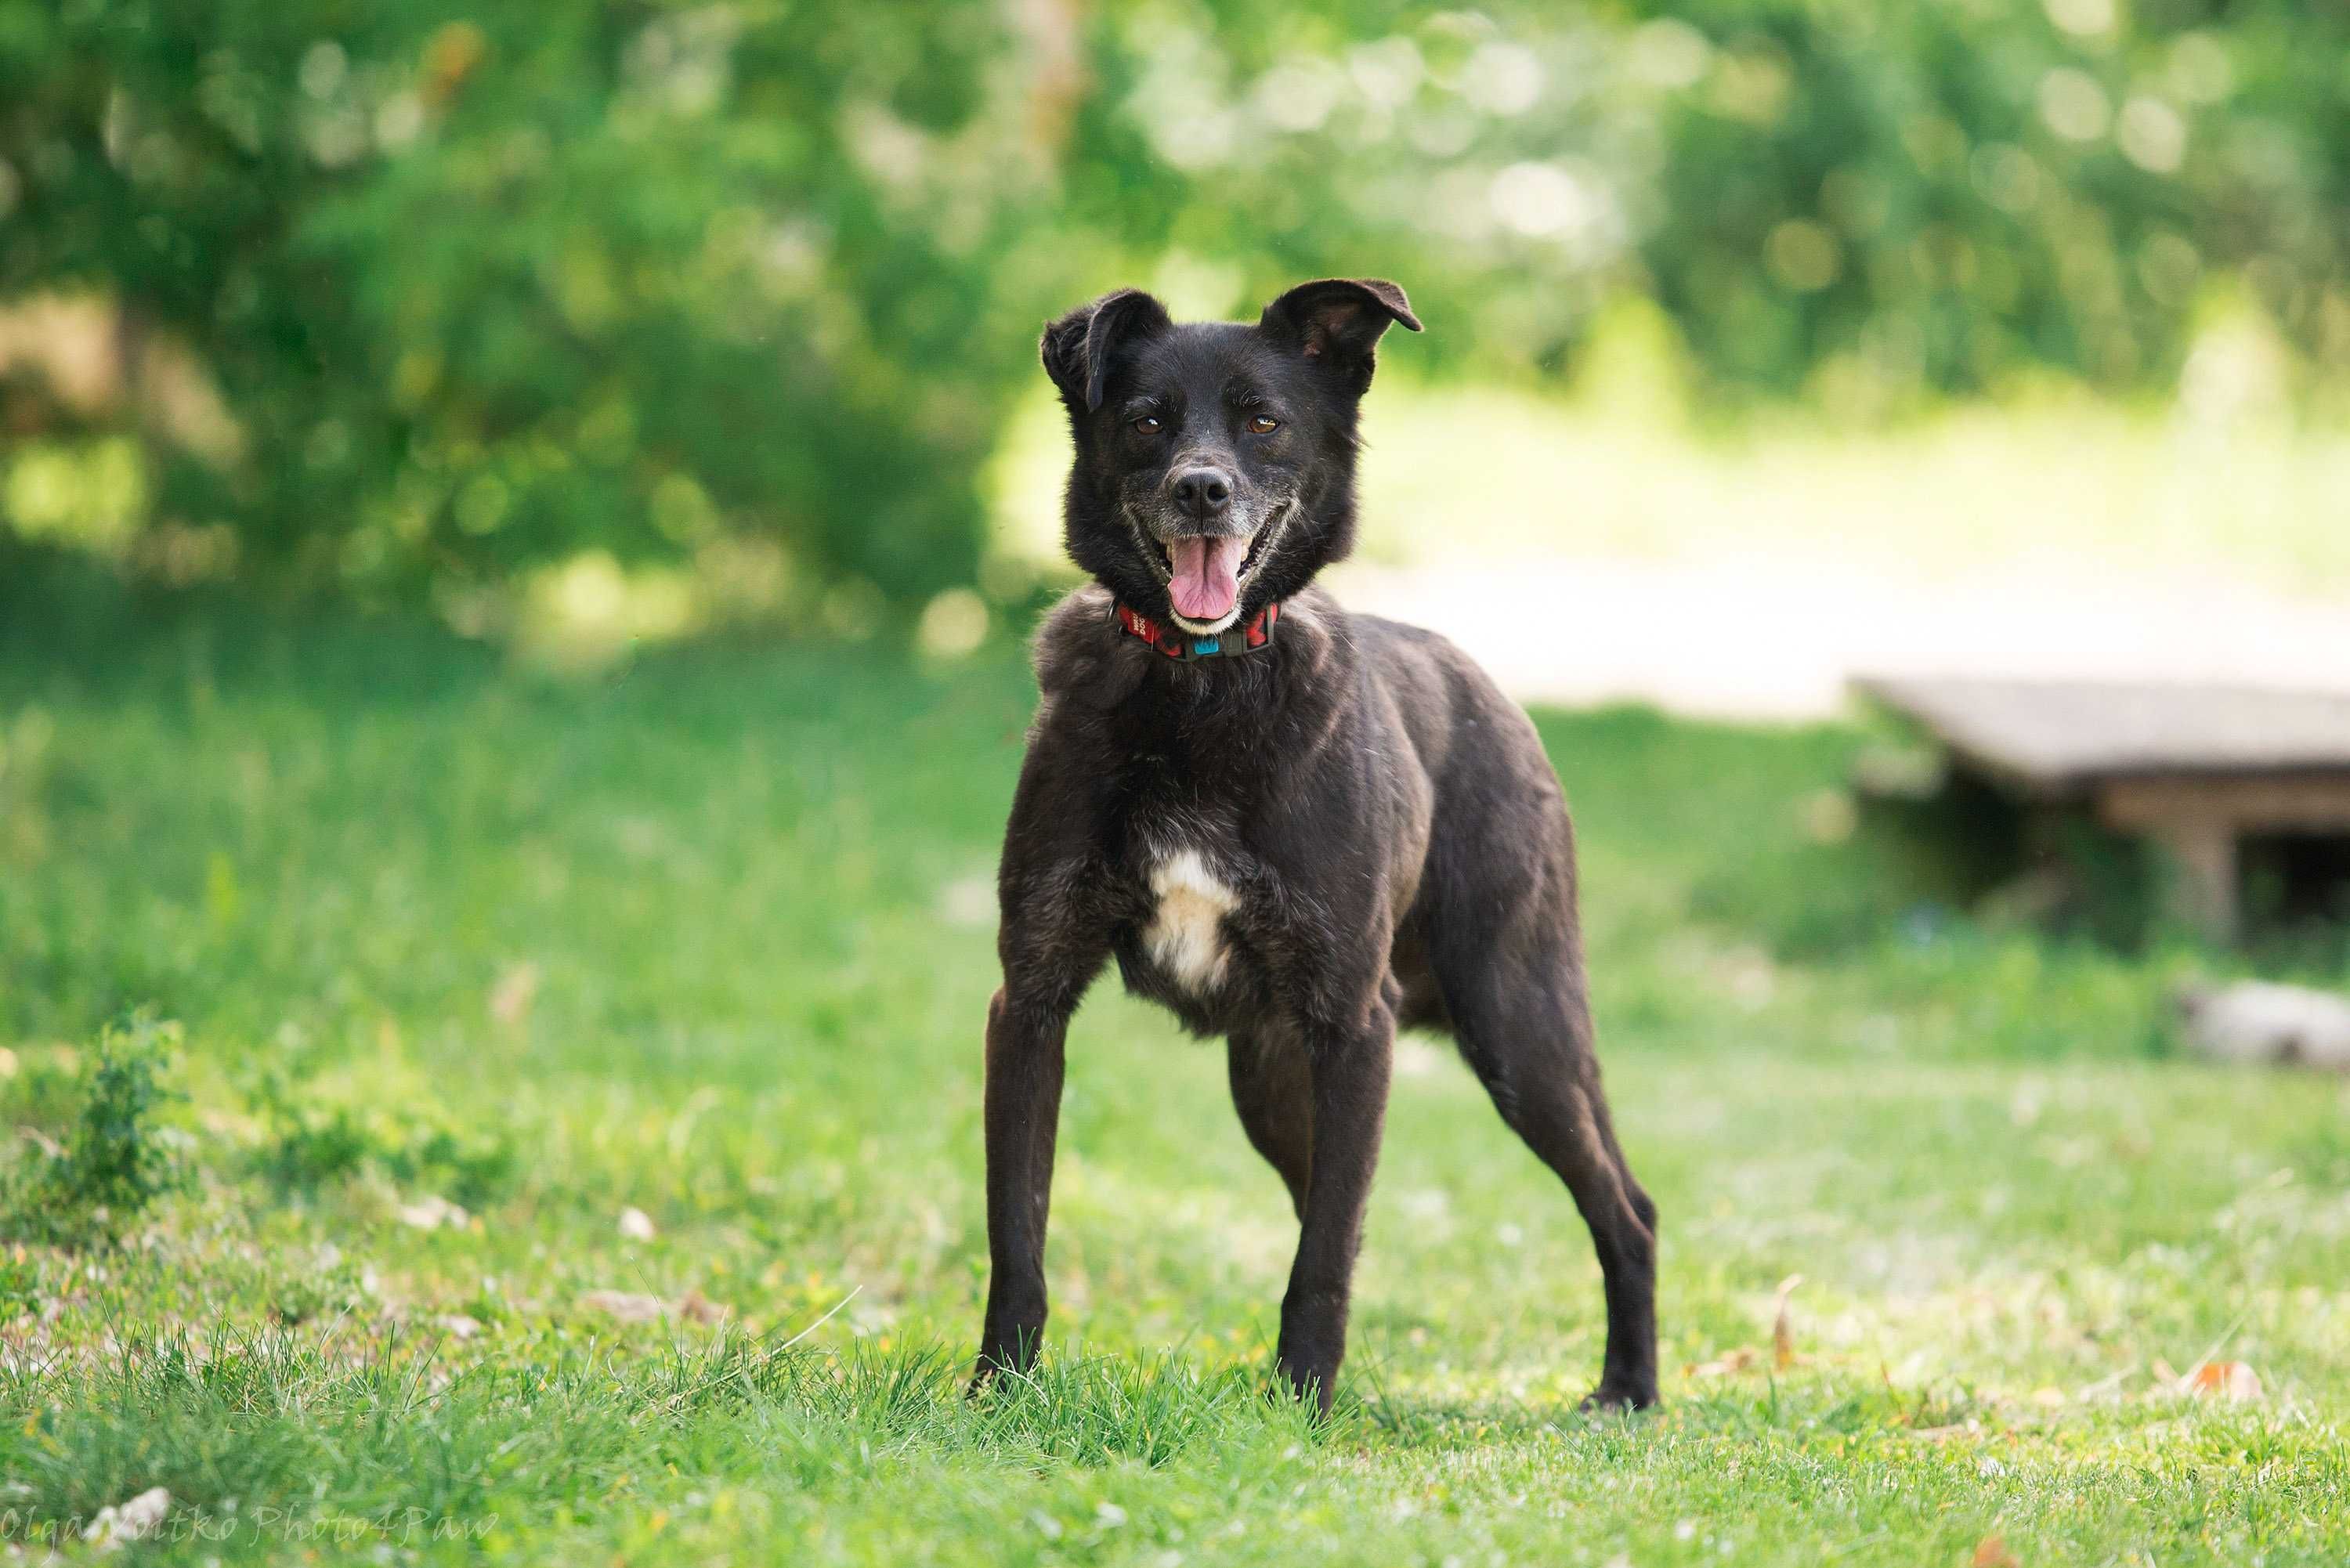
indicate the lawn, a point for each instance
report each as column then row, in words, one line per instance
column 465, row 963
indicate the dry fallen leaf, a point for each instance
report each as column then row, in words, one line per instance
column 628, row 1306
column 132, row 1520
column 515, row 990
column 1991, row 1552
column 1724, row 1365
column 1783, row 1336
column 636, row 1225
column 634, row 1306
column 2224, row 1379
column 431, row 1212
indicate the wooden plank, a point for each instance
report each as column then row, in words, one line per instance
column 2059, row 737
column 2249, row 803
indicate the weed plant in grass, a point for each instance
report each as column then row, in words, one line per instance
column 116, row 1158
column 709, row 937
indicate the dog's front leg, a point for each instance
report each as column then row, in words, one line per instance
column 1025, row 1041
column 1349, row 1068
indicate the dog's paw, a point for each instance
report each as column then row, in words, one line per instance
column 1000, row 1362
column 1619, row 1399
column 1314, row 1390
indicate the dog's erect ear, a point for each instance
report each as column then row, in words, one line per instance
column 1077, row 348
column 1339, row 318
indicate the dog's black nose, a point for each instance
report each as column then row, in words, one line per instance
column 1205, row 492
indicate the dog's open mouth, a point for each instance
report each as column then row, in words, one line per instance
column 1204, row 573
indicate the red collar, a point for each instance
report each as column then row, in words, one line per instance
column 1177, row 644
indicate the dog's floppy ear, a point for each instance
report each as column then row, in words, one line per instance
column 1077, row 348
column 1340, row 319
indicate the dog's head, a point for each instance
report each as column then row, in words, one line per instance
column 1215, row 461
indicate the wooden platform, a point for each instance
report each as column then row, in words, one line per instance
column 2194, row 768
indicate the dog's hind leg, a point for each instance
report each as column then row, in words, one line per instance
column 1525, row 1030
column 1274, row 1093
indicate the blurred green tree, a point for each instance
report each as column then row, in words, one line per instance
column 413, row 297
column 1867, row 198
column 486, row 286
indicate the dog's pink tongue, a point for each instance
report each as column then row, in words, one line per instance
column 1207, row 577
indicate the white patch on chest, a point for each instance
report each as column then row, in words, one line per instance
column 1186, row 937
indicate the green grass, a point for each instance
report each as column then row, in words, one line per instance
column 707, row 938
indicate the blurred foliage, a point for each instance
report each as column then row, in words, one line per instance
column 490, row 284
column 423, row 296
column 1860, row 200
column 311, row 1140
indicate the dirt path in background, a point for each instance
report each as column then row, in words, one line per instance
column 1775, row 638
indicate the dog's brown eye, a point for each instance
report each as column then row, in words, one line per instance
column 1148, row 424
column 1263, row 424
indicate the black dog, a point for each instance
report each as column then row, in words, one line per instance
column 1293, row 826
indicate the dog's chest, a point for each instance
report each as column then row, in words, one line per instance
column 1185, row 935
